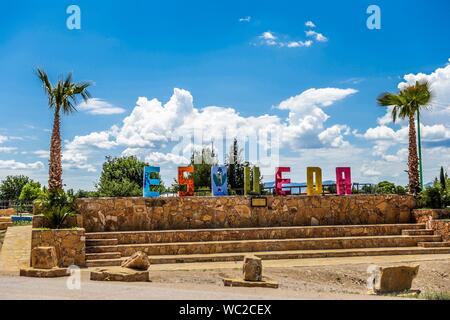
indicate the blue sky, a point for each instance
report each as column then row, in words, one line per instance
column 232, row 55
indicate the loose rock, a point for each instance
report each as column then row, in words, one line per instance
column 44, row 258
column 138, row 261
column 392, row 279
column 252, row 269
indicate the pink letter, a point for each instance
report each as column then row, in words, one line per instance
column 343, row 181
column 279, row 181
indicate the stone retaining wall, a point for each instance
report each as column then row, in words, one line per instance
column 436, row 219
column 131, row 214
column 70, row 244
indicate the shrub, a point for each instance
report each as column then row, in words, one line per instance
column 433, row 197
column 30, row 192
column 56, row 206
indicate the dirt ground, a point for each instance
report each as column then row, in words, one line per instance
column 345, row 279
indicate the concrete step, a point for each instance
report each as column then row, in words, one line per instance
column 101, row 242
column 171, row 236
column 265, row 245
column 276, row 255
column 418, row 232
column 434, row 244
column 103, row 256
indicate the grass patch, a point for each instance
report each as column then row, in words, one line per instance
column 22, row 223
column 434, row 295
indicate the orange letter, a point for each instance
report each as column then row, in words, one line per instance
column 188, row 182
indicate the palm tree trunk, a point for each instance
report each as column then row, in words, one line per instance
column 413, row 160
column 55, row 166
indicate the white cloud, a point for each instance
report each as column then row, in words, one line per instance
column 368, row 171
column 157, row 158
column 7, row 149
column 3, row 139
column 310, row 24
column 15, row 165
column 268, row 38
column 380, row 133
column 245, row 19
column 334, row 136
column 97, row 106
column 316, row 35
column 315, row 98
column 153, row 126
column 298, row 44
column 100, row 140
column 45, row 154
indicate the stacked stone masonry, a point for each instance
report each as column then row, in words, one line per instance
column 70, row 245
column 137, row 214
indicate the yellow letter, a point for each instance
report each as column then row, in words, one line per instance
column 311, row 189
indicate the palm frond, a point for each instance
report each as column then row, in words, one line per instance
column 48, row 88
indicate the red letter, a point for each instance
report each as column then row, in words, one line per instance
column 279, row 181
column 343, row 181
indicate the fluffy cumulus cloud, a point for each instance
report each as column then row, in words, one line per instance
column 97, row 106
column 269, row 38
column 316, row 35
column 162, row 133
column 307, row 116
column 15, row 165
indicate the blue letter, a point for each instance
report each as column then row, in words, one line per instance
column 149, row 182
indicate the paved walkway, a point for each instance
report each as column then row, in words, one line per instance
column 20, row 288
column 16, row 249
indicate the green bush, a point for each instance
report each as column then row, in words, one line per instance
column 433, row 197
column 56, row 207
column 30, row 192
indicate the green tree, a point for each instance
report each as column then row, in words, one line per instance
column 123, row 177
column 30, row 192
column 203, row 161
column 386, row 187
column 11, row 187
column 62, row 97
column 236, row 167
column 406, row 104
column 443, row 179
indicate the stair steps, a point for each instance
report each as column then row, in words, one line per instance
column 434, row 244
column 418, row 232
column 277, row 255
column 200, row 235
column 213, row 245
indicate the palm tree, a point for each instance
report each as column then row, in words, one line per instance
column 61, row 97
column 406, row 104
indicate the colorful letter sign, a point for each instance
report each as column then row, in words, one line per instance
column 149, row 182
column 256, row 175
column 313, row 187
column 219, row 181
column 188, row 182
column 279, row 181
column 343, row 181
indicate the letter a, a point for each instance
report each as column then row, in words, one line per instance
column 374, row 20
column 74, row 20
